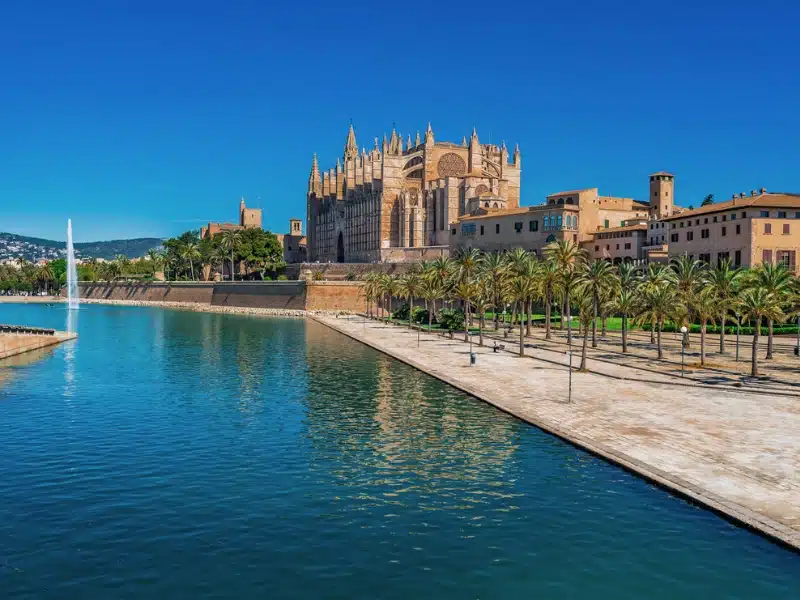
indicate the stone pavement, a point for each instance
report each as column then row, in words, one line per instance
column 735, row 452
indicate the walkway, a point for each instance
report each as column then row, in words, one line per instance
column 735, row 452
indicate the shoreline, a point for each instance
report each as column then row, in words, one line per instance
column 688, row 474
column 189, row 306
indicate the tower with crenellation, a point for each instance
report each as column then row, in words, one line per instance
column 396, row 201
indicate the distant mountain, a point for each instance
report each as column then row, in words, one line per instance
column 30, row 248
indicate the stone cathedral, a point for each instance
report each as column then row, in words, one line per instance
column 397, row 201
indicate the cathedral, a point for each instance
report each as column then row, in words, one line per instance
column 397, row 202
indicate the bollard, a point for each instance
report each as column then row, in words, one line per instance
column 472, row 358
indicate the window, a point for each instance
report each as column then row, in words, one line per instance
column 497, row 228
column 724, row 217
column 655, row 194
column 738, row 229
column 787, row 258
column 546, row 223
column 744, row 214
column 673, row 237
column 704, row 233
column 608, row 246
column 724, row 231
column 628, row 246
column 558, row 225
column 605, row 223
column 467, row 228
column 682, row 223
column 722, row 257
column 705, row 221
column 617, row 246
column 454, row 230
column 597, row 248
column 765, row 213
column 533, row 225
column 737, row 258
column 797, row 215
column 715, row 219
column 781, row 214
column 733, row 216
column 622, row 223
column 786, row 229
column 768, row 228
column 689, row 236
column 705, row 257
column 697, row 221
column 481, row 229
column 766, row 256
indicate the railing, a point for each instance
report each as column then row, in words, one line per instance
column 26, row 330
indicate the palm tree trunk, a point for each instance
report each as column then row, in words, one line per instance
column 410, row 309
column 466, row 321
column 430, row 320
column 547, row 304
column 191, row 266
column 754, row 357
column 569, row 320
column 624, row 333
column 660, row 327
column 604, row 330
column 585, row 344
column 594, row 325
column 530, row 317
column 480, row 328
column 770, row 324
column 703, row 343
column 722, row 337
column 231, row 265
column 653, row 332
column 521, row 342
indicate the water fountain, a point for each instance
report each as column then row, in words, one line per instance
column 72, row 271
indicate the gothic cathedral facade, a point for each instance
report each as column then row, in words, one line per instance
column 397, row 202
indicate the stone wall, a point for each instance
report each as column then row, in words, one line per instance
column 334, row 295
column 283, row 295
column 340, row 271
column 12, row 344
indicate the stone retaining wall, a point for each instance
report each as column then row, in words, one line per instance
column 278, row 295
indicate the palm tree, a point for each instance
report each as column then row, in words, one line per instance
column 371, row 290
column 408, row 286
column 229, row 240
column 688, row 276
column 706, row 307
column 483, row 300
column 467, row 262
column 627, row 303
column 466, row 291
column 565, row 254
column 653, row 277
column 757, row 303
column 775, row 280
column 389, row 286
column 549, row 277
column 584, row 302
column 659, row 304
column 521, row 288
column 598, row 277
column 45, row 275
column 495, row 270
column 725, row 282
column 431, row 290
column 190, row 251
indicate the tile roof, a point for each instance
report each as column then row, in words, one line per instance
column 765, row 200
column 570, row 192
column 623, row 228
column 661, row 173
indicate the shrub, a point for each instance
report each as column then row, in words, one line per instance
column 267, row 278
column 401, row 312
column 318, row 275
column 283, row 278
column 351, row 276
column 451, row 318
column 729, row 329
column 420, row 315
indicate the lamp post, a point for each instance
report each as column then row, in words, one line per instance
column 683, row 347
column 797, row 347
column 738, row 330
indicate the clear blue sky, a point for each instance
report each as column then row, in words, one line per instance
column 143, row 117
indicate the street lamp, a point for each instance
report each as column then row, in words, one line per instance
column 683, row 346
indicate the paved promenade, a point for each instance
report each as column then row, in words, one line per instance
column 736, row 452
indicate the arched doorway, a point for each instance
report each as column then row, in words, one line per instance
column 340, row 249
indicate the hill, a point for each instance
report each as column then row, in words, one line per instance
column 31, row 248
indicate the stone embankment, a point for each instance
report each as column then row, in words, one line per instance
column 12, row 344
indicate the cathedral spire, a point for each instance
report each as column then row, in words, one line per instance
column 429, row 135
column 393, row 142
column 417, row 141
column 464, row 141
column 385, row 144
column 517, row 156
column 408, row 143
column 474, row 137
column 350, row 147
column 314, row 179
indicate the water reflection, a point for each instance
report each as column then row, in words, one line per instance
column 69, row 353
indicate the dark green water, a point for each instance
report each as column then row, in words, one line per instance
column 176, row 455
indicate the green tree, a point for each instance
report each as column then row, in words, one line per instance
column 725, row 282
column 495, row 270
column 190, row 252
column 709, row 199
column 598, row 278
column 229, row 241
column 566, row 255
column 706, row 307
column 45, row 275
column 777, row 281
column 409, row 286
column 758, row 303
column 659, row 302
column 466, row 291
column 689, row 277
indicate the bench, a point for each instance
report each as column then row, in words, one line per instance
column 497, row 347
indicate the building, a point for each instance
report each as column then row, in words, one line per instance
column 748, row 230
column 579, row 216
column 396, row 202
column 626, row 243
column 293, row 243
column 249, row 218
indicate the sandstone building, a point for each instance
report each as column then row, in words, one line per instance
column 747, row 230
column 293, row 243
column 249, row 218
column 580, row 216
column 397, row 201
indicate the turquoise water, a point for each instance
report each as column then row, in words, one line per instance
column 178, row 455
